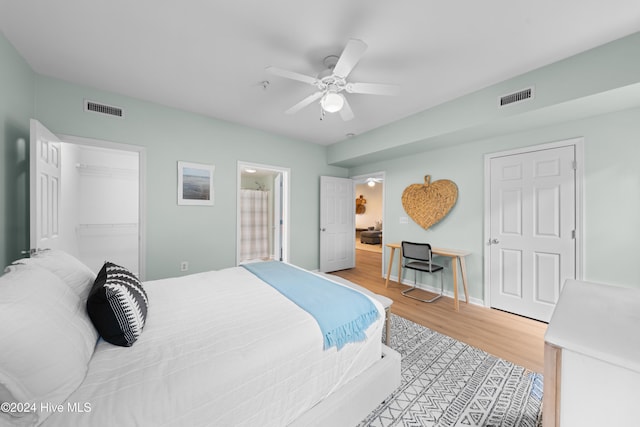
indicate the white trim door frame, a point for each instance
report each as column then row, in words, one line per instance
column 494, row 265
column 284, row 205
column 382, row 176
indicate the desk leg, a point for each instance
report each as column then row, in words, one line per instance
column 463, row 273
column 393, row 252
column 454, row 270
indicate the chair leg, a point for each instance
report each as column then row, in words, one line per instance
column 405, row 293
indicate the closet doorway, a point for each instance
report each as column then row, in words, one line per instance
column 110, row 202
column 262, row 213
column 87, row 198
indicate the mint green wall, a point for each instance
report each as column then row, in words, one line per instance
column 599, row 103
column 595, row 95
column 603, row 79
column 16, row 108
column 204, row 236
column 611, row 235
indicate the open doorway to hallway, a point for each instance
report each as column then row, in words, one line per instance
column 369, row 190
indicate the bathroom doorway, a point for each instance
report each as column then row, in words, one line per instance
column 262, row 213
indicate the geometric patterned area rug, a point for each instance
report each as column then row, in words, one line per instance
column 448, row 383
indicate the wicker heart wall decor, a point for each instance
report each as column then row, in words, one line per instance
column 428, row 203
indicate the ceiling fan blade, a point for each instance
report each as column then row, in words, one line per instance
column 349, row 58
column 308, row 100
column 372, row 88
column 346, row 112
column 292, row 75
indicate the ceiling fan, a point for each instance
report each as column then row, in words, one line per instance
column 332, row 81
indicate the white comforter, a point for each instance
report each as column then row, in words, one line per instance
column 220, row 348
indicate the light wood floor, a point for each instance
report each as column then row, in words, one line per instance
column 514, row 338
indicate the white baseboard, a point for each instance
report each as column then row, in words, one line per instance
column 447, row 293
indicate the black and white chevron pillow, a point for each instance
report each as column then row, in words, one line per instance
column 117, row 305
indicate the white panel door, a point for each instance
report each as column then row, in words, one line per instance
column 44, row 174
column 337, row 224
column 532, row 238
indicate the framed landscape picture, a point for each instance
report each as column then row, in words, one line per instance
column 195, row 184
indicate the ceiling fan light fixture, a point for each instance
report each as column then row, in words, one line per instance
column 332, row 102
column 371, row 183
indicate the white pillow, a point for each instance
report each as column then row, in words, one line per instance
column 74, row 273
column 47, row 341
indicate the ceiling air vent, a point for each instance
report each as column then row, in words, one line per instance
column 519, row 96
column 99, row 108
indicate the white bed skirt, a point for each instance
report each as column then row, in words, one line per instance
column 351, row 403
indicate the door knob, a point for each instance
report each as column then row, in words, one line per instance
column 323, row 229
column 494, row 241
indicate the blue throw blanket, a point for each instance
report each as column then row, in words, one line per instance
column 343, row 314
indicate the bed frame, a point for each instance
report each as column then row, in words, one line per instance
column 351, row 403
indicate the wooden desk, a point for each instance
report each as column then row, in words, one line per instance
column 457, row 257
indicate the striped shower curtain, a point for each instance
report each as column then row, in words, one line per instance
column 254, row 225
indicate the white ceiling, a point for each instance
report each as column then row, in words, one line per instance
column 209, row 56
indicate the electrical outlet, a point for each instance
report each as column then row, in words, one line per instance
column 404, row 220
column 184, row 266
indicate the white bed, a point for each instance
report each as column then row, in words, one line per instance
column 223, row 348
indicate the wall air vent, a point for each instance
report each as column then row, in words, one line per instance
column 519, row 96
column 99, row 108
